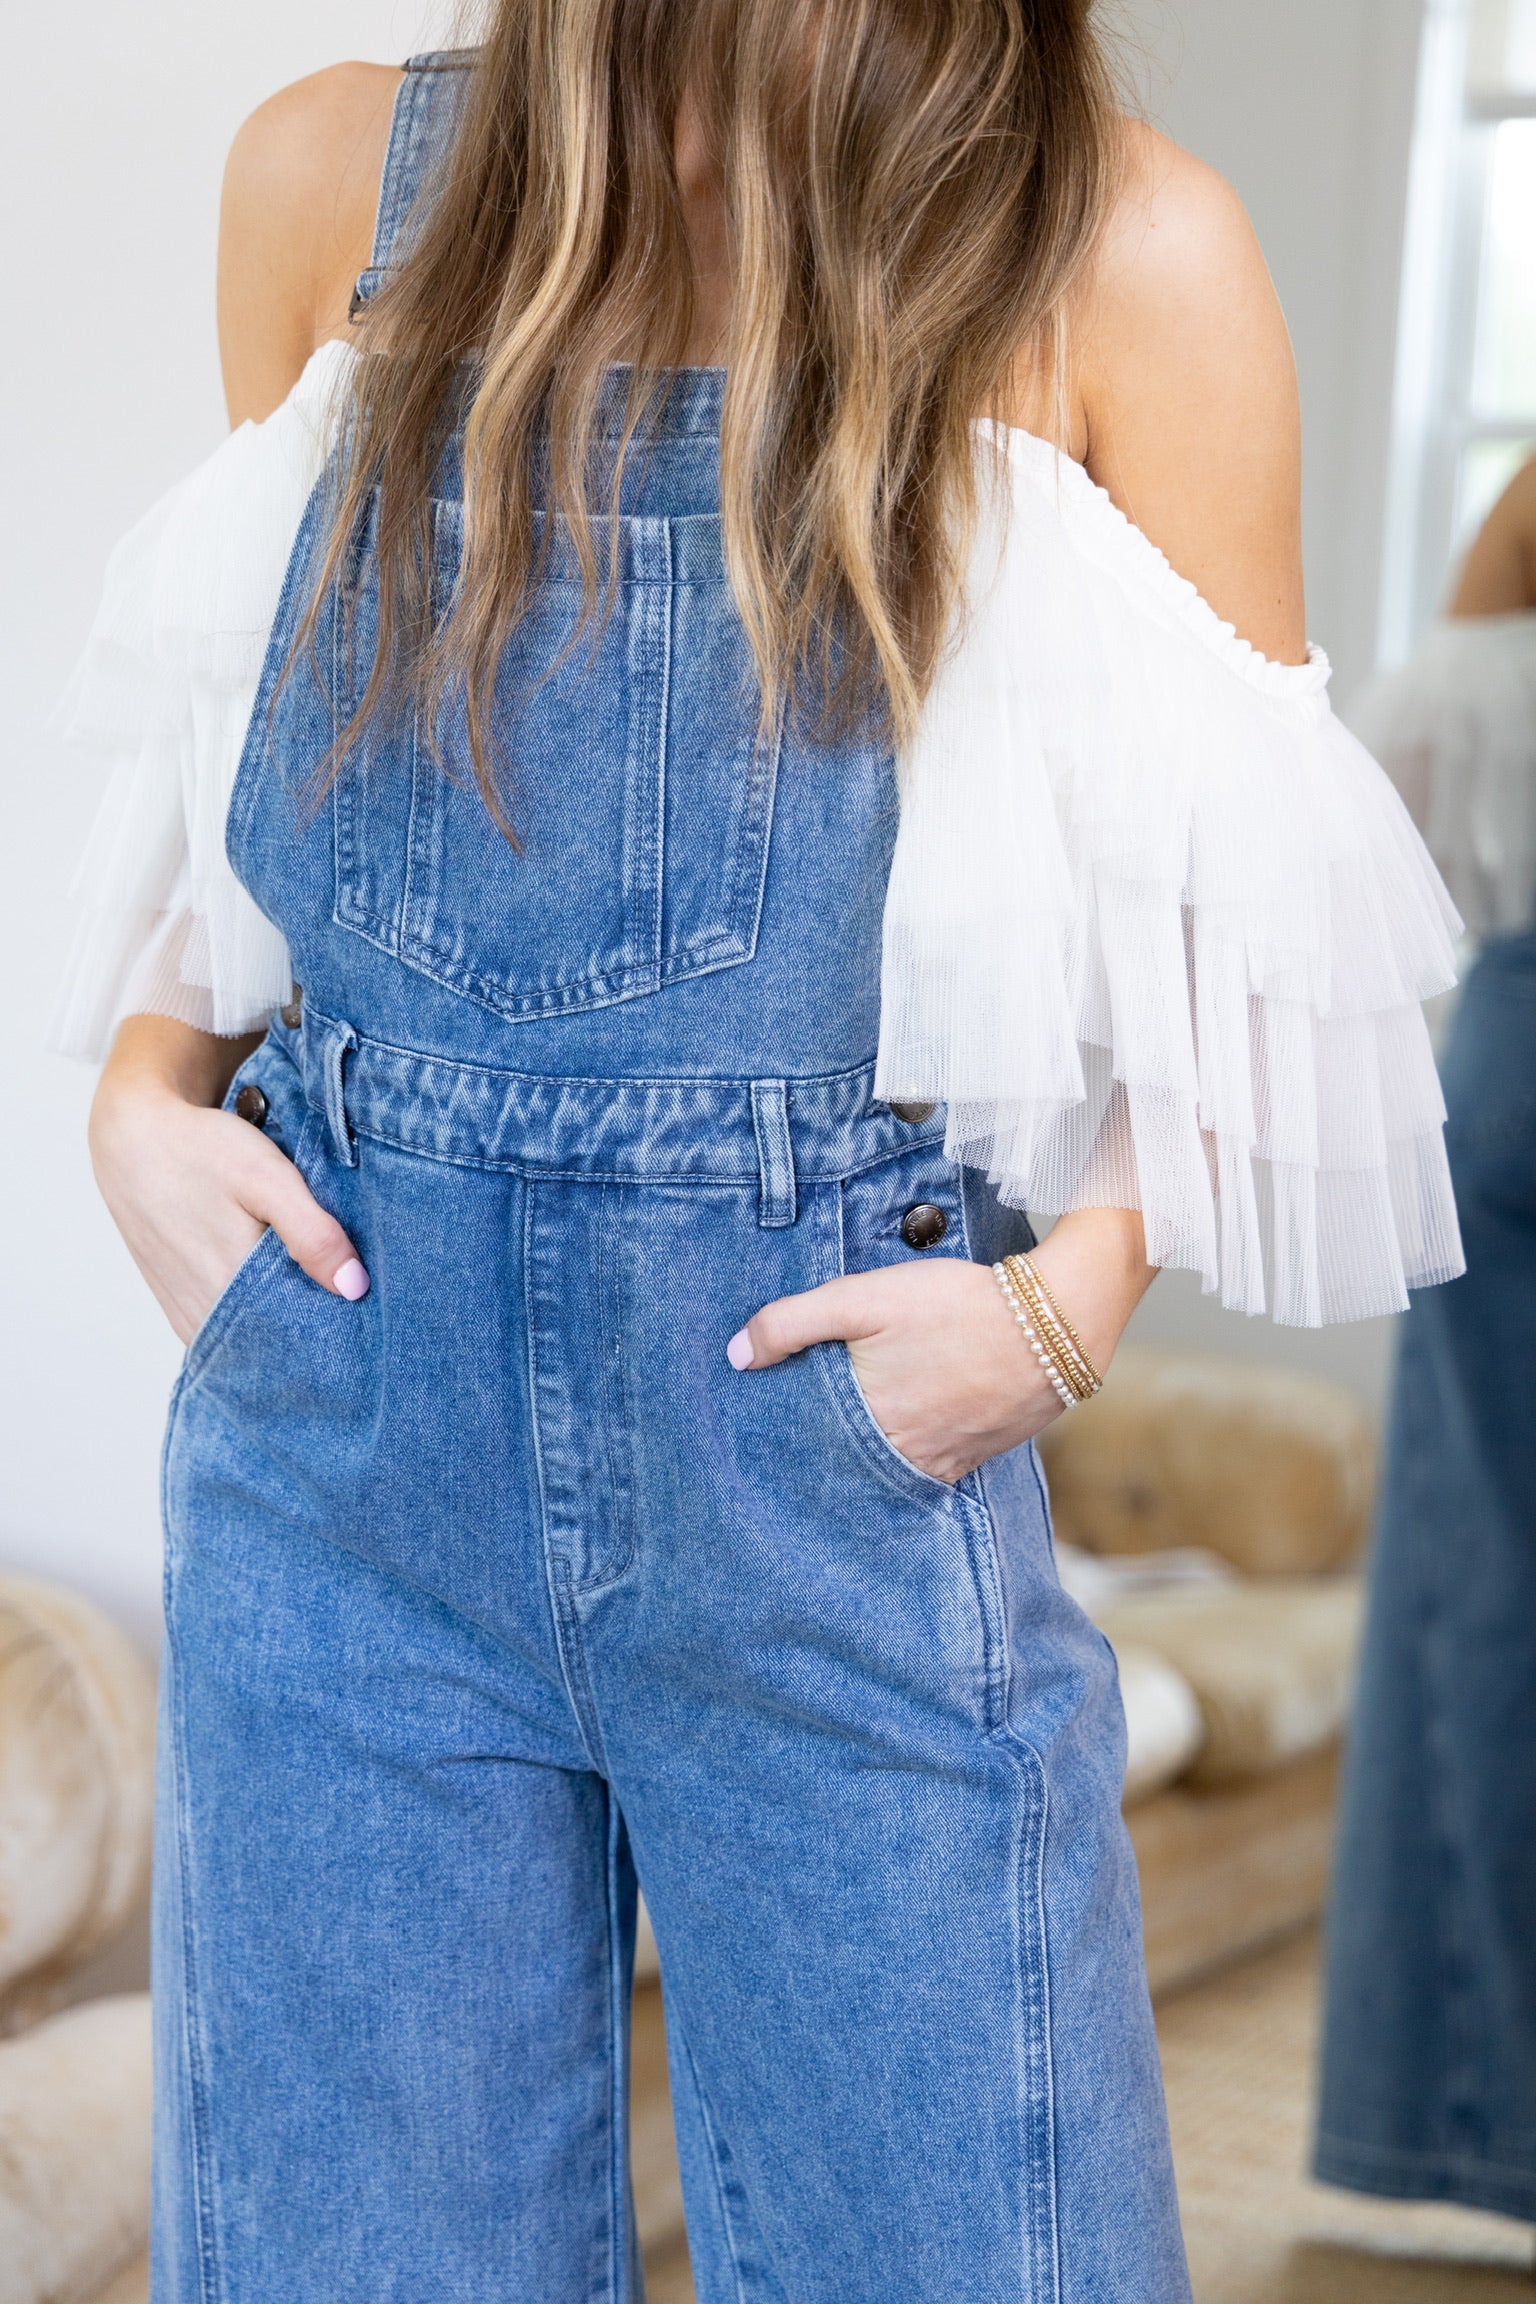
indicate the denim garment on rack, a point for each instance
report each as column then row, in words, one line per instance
column 501, row 1590
column 1429, row 2066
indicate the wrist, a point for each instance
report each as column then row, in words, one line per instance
column 1094, row 1262
column 154, row 1056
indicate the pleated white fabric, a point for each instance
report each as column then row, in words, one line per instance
column 164, row 690
column 1455, row 729
column 1157, row 929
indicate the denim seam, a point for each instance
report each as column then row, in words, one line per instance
column 556, row 1573
column 631, row 982
column 1034, row 1972
column 618, row 2189
column 252, row 1268
column 1344, row 2152
column 418, row 818
column 644, row 811
column 621, row 1490
column 739, row 1180
column 885, row 1461
column 1458, row 2011
column 657, row 610
column 204, row 2217
column 256, row 749
column 1032, row 1955
column 987, row 1574
column 574, row 1660
column 992, row 1608
column 706, row 2122
column 844, row 1075
column 753, row 841
column 957, row 1502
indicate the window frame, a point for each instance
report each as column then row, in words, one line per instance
column 1435, row 421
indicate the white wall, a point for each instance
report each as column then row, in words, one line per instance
column 109, row 173
column 117, row 125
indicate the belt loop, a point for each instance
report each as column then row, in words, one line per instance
column 775, row 1154
column 340, row 1040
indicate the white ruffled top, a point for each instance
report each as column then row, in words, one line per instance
column 1455, row 729
column 1157, row 931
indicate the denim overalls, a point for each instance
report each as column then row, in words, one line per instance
column 502, row 1587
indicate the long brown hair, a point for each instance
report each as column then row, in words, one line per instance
column 910, row 188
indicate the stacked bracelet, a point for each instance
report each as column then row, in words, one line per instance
column 1051, row 1337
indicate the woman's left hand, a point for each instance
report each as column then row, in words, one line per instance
column 944, row 1368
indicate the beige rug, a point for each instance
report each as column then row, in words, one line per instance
column 1237, row 2052
column 1237, row 2056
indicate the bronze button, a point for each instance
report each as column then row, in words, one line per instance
column 251, row 1104
column 924, row 1226
column 914, row 1114
column 292, row 1011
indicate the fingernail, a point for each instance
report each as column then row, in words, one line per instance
column 739, row 1350
column 352, row 1281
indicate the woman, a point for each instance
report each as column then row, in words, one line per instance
column 615, row 1456
column 1429, row 2066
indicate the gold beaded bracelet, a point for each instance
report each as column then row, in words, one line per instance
column 1079, row 1370
column 1051, row 1337
column 1015, row 1303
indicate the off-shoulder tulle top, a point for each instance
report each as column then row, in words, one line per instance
column 1157, row 931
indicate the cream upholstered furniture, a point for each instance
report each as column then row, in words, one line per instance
column 1209, row 1515
column 1269, row 1469
column 76, row 1787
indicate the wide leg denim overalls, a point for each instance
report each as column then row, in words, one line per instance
column 494, row 1590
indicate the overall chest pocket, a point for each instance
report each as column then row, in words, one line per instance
column 640, row 793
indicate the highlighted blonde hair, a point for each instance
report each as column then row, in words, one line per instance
column 911, row 188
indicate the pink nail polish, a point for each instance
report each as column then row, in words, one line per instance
column 739, row 1350
column 352, row 1281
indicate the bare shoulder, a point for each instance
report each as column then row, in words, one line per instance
column 1186, row 384
column 1177, row 228
column 296, row 225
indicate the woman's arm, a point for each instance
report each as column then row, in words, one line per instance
column 1186, row 412
column 1499, row 577
column 192, row 1188
column 1187, row 384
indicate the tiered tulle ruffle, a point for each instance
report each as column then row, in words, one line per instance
column 1455, row 729
column 1158, row 928
column 164, row 691
column 1157, row 931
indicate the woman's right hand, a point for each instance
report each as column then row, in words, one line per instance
column 192, row 1188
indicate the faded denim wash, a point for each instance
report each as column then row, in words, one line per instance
column 500, row 1589
column 1429, row 2066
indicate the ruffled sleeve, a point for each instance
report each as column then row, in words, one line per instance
column 164, row 693
column 1159, row 929
column 1455, row 729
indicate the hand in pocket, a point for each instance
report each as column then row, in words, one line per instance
column 944, row 1370
column 193, row 1190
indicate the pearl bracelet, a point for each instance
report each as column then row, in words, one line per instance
column 1062, row 1343
column 1005, row 1281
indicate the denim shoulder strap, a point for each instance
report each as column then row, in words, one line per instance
column 428, row 108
